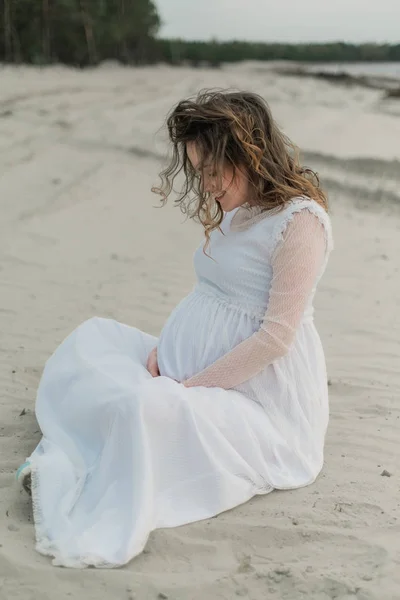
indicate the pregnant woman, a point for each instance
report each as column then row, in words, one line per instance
column 231, row 401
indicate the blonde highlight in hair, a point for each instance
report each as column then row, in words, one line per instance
column 234, row 128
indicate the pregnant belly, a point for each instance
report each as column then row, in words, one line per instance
column 200, row 330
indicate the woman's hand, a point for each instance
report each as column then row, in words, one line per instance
column 152, row 364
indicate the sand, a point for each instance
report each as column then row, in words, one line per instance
column 79, row 236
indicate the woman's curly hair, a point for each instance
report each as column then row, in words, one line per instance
column 235, row 129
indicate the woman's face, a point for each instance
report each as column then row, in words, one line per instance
column 230, row 190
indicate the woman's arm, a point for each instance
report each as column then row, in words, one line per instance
column 296, row 264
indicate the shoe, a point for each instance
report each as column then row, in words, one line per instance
column 24, row 478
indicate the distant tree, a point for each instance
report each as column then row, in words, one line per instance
column 46, row 30
column 7, row 28
column 87, row 21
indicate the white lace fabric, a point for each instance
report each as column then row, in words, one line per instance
column 296, row 264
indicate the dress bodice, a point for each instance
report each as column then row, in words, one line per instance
column 237, row 265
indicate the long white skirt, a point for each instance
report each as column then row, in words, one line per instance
column 123, row 454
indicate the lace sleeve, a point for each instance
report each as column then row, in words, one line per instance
column 297, row 263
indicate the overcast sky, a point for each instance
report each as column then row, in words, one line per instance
column 282, row 20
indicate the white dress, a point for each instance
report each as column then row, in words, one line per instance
column 123, row 453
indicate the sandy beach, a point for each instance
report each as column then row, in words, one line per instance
column 81, row 235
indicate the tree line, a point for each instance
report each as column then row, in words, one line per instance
column 86, row 32
column 215, row 53
column 77, row 32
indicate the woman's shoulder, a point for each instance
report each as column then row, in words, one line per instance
column 302, row 205
column 268, row 226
